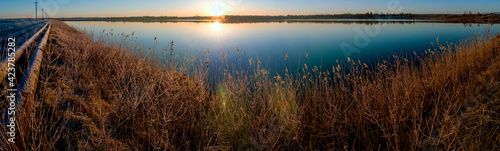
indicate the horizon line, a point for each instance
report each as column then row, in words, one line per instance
column 495, row 13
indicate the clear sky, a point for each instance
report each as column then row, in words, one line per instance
column 119, row 8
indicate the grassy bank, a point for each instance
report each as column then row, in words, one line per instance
column 94, row 97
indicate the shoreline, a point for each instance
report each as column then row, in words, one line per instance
column 440, row 18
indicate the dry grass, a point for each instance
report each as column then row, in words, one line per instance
column 445, row 101
column 400, row 106
column 93, row 97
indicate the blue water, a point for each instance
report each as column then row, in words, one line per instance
column 324, row 42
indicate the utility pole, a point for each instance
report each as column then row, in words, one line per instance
column 36, row 10
column 42, row 14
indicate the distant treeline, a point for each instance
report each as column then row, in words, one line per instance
column 466, row 18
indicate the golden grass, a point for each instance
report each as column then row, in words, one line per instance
column 93, row 97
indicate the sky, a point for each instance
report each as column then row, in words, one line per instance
column 122, row 8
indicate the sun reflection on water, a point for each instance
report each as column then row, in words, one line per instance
column 217, row 26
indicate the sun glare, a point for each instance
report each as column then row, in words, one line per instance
column 216, row 26
column 217, row 8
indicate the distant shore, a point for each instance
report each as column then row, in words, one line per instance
column 368, row 17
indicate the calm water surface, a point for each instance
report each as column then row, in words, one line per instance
column 324, row 42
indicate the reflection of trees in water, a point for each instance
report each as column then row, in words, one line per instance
column 477, row 24
column 264, row 21
column 357, row 22
column 368, row 18
column 332, row 22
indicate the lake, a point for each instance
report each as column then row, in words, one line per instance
column 325, row 42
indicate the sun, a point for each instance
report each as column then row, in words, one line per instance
column 218, row 10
